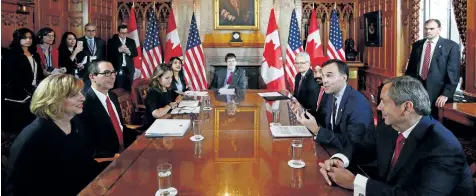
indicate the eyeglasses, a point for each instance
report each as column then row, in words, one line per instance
column 123, row 33
column 91, row 30
column 108, row 73
column 301, row 63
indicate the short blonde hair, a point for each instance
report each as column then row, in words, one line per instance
column 48, row 98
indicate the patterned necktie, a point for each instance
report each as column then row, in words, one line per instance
column 114, row 121
column 321, row 92
column 426, row 61
column 91, row 46
column 398, row 149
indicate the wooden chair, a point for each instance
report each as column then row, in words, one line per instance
column 373, row 104
column 128, row 112
column 138, row 95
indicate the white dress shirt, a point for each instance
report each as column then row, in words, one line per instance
column 433, row 46
column 360, row 182
column 34, row 69
column 103, row 98
column 339, row 96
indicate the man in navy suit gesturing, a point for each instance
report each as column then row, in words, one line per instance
column 415, row 154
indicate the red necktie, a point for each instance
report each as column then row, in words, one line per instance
column 230, row 78
column 426, row 61
column 398, row 149
column 321, row 92
column 114, row 120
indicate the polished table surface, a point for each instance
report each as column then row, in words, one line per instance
column 238, row 156
column 464, row 113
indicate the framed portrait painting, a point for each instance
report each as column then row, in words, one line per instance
column 236, row 14
column 373, row 29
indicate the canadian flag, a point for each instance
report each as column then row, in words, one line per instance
column 314, row 44
column 172, row 45
column 134, row 34
column 272, row 70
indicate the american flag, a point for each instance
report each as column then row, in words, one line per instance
column 152, row 54
column 294, row 47
column 335, row 49
column 194, row 59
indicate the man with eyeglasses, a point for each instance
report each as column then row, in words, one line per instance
column 231, row 77
column 306, row 89
column 93, row 48
column 121, row 51
column 102, row 114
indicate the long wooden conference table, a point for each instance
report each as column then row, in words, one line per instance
column 238, row 156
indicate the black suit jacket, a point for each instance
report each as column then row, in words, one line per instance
column 238, row 80
column 444, row 73
column 431, row 162
column 354, row 118
column 66, row 62
column 17, row 76
column 308, row 93
column 116, row 58
column 99, row 130
column 100, row 53
column 44, row 160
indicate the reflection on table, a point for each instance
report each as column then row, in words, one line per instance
column 238, row 156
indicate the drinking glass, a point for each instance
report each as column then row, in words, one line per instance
column 207, row 103
column 296, row 180
column 196, row 126
column 297, row 152
column 275, row 118
column 164, row 173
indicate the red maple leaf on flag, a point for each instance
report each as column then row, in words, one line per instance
column 170, row 50
column 271, row 53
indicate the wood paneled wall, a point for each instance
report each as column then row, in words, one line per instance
column 61, row 16
column 398, row 33
column 471, row 48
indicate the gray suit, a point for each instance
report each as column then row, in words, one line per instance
column 238, row 80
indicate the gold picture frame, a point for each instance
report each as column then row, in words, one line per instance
column 226, row 155
column 228, row 16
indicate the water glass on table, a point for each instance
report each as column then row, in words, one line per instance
column 276, row 118
column 296, row 161
column 164, row 174
column 206, row 103
column 197, row 132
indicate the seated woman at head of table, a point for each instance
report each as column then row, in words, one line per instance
column 161, row 99
column 50, row 156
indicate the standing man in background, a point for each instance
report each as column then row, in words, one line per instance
column 121, row 52
column 93, row 48
column 435, row 61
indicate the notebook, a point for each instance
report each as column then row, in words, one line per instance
column 273, row 96
column 168, row 127
column 290, row 131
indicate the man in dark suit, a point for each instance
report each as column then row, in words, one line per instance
column 306, row 89
column 347, row 113
column 232, row 77
column 435, row 61
column 121, row 53
column 415, row 154
column 93, row 48
column 102, row 114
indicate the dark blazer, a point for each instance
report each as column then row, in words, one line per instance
column 116, row 58
column 100, row 53
column 432, row 161
column 308, row 94
column 173, row 86
column 156, row 100
column 100, row 132
column 45, row 161
column 238, row 80
column 444, row 73
column 17, row 76
column 66, row 62
column 354, row 118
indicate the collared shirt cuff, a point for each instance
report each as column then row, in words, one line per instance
column 343, row 158
column 360, row 184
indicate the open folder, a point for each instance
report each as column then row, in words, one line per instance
column 168, row 127
column 290, row 131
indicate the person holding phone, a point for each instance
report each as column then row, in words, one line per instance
column 49, row 56
column 71, row 53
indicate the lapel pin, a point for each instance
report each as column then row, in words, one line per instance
column 439, row 46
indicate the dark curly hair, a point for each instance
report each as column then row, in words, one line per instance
column 19, row 34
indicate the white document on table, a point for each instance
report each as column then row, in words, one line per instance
column 226, row 91
column 196, row 93
column 168, row 127
column 270, row 94
column 186, row 110
column 290, row 131
column 188, row 103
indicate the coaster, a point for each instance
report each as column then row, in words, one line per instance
column 291, row 164
column 200, row 138
column 207, row 109
column 172, row 191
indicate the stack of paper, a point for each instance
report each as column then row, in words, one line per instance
column 290, row 131
column 186, row 110
column 168, row 127
column 196, row 93
column 226, row 91
column 188, row 103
